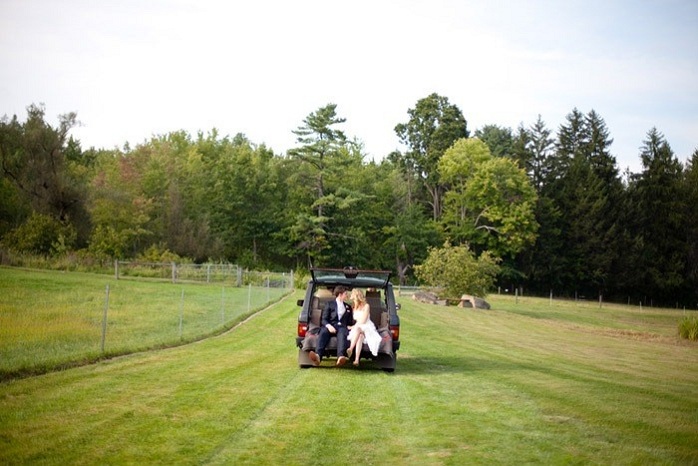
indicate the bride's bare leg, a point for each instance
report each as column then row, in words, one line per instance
column 352, row 343
column 359, row 344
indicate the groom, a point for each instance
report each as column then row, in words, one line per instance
column 336, row 317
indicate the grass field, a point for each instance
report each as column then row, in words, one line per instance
column 50, row 320
column 526, row 383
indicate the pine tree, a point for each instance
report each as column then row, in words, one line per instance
column 583, row 183
column 691, row 218
column 540, row 147
column 659, row 203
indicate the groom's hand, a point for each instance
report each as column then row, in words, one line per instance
column 331, row 328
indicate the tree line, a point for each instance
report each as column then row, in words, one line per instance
column 551, row 208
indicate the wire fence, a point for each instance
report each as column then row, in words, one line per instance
column 517, row 293
column 50, row 320
column 208, row 273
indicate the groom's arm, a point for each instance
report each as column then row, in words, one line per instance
column 326, row 313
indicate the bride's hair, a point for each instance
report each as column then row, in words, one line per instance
column 358, row 296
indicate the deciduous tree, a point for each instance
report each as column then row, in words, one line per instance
column 33, row 161
column 490, row 203
column 434, row 125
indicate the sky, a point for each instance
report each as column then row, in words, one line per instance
column 132, row 69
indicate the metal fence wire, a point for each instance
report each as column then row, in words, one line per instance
column 145, row 306
column 206, row 273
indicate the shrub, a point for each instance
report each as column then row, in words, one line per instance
column 41, row 234
column 456, row 269
column 158, row 253
column 300, row 279
column 688, row 328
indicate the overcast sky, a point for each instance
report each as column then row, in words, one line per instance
column 133, row 69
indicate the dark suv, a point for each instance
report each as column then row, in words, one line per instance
column 379, row 295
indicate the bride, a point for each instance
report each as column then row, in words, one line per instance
column 364, row 329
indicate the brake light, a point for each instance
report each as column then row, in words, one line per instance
column 395, row 332
column 302, row 329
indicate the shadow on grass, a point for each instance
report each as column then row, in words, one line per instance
column 453, row 364
column 432, row 365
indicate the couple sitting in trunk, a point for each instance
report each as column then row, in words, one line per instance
column 352, row 325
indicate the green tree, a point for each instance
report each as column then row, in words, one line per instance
column 434, row 125
column 690, row 216
column 408, row 237
column 659, row 204
column 539, row 264
column 33, row 161
column 323, row 155
column 121, row 213
column 580, row 193
column 499, row 139
column 458, row 271
column 534, row 148
column 490, row 203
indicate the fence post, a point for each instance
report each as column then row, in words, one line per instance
column 116, row 269
column 181, row 313
column 516, row 293
column 104, row 318
column 249, row 296
column 223, row 304
column 174, row 272
column 551, row 297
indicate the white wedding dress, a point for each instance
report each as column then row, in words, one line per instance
column 371, row 336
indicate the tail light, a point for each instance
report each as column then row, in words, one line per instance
column 302, row 329
column 395, row 332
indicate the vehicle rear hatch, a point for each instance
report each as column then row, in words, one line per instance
column 351, row 277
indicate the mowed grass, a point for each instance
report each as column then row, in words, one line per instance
column 50, row 319
column 526, row 383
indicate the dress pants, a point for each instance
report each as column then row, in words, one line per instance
column 325, row 336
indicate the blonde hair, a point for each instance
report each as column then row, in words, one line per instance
column 358, row 297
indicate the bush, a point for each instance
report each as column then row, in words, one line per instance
column 456, row 269
column 159, row 253
column 300, row 279
column 41, row 234
column 688, row 328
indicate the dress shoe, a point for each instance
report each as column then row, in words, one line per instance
column 341, row 360
column 314, row 357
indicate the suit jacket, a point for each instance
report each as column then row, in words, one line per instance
column 330, row 315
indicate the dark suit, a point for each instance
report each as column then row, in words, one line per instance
column 331, row 316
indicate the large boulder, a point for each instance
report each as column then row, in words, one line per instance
column 426, row 297
column 473, row 302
